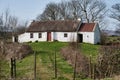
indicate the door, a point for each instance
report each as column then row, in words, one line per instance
column 16, row 38
column 80, row 38
column 48, row 36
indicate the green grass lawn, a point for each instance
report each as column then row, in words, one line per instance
column 45, row 54
column 90, row 50
column 45, row 61
column 113, row 39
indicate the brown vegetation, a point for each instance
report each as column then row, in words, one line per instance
column 69, row 53
column 109, row 61
column 14, row 50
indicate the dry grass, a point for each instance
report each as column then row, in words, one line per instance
column 116, row 77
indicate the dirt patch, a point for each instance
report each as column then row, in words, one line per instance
column 14, row 50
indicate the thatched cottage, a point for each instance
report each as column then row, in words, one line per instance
column 63, row 31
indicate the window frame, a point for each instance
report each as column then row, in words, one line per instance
column 31, row 35
column 65, row 35
column 39, row 35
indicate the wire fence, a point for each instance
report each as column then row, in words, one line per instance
column 36, row 71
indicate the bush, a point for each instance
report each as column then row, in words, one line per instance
column 118, row 39
column 62, row 78
column 69, row 54
column 29, row 42
column 103, row 38
column 108, row 60
column 16, row 50
column 36, row 41
column 55, row 40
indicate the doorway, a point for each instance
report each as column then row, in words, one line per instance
column 15, row 38
column 80, row 38
column 48, row 36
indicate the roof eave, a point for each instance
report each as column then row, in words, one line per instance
column 95, row 27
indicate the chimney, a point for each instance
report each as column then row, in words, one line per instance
column 80, row 19
column 33, row 21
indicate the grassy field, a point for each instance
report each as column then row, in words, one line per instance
column 45, row 61
column 113, row 39
column 90, row 50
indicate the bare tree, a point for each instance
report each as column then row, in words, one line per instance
column 116, row 15
column 8, row 23
column 92, row 10
column 5, row 26
column 74, row 9
column 50, row 12
column 63, row 10
column 1, row 25
column 21, row 28
column 13, row 21
column 88, row 10
column 116, row 12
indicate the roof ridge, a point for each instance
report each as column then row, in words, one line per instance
column 56, row 20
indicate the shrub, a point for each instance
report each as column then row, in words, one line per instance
column 55, row 40
column 69, row 54
column 29, row 42
column 103, row 38
column 118, row 39
column 16, row 50
column 36, row 41
column 62, row 78
column 108, row 60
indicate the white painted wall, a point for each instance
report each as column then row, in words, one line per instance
column 88, row 37
column 25, row 37
column 13, row 39
column 71, row 36
column 97, row 34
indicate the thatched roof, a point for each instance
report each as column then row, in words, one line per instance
column 56, row 26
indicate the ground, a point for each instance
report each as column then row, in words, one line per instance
column 45, row 62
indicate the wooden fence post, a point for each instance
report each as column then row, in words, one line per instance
column 11, row 68
column 14, row 67
column 90, row 68
column 34, row 65
column 75, row 66
column 0, row 67
column 93, row 72
column 55, row 65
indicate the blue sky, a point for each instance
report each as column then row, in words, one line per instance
column 24, row 9
column 29, row 9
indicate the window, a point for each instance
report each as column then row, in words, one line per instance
column 40, row 35
column 65, row 34
column 31, row 35
column 87, row 36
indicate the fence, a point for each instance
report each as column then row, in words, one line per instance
column 34, row 70
column 47, row 67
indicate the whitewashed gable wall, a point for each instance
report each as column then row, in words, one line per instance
column 97, row 34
